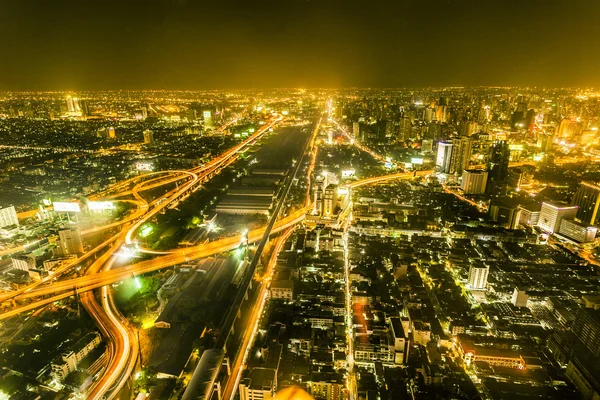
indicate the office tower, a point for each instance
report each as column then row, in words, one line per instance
column 70, row 104
column 208, row 119
column 320, row 185
column 260, row 384
column 577, row 232
column 70, row 241
column 587, row 198
column 552, row 215
column 461, row 149
column 110, row 132
column 8, row 217
column 444, row 157
column 148, row 137
column 330, row 200
column 519, row 298
column 404, row 129
column 478, row 277
column 498, row 166
column 474, row 181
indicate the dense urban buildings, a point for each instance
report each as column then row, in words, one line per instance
column 315, row 200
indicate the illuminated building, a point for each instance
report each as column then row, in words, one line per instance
column 260, row 384
column 208, row 119
column 474, row 181
column 110, row 132
column 577, row 232
column 70, row 241
column 478, row 277
column 552, row 215
column 70, row 104
column 568, row 129
column 330, row 198
column 587, row 198
column 355, row 129
column 529, row 215
column 519, row 298
column 66, row 363
column 148, row 137
column 461, row 149
column 23, row 262
column 8, row 217
column 444, row 157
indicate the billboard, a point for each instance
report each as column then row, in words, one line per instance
column 416, row 160
column 101, row 205
column 66, row 207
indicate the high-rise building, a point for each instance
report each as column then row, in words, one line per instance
column 461, row 149
column 110, row 132
column 586, row 326
column 474, row 181
column 587, row 198
column 519, row 298
column 577, row 232
column 8, row 217
column 444, row 157
column 70, row 104
column 148, row 137
column 498, row 166
column 330, row 200
column 478, row 277
column 552, row 215
column 208, row 119
column 70, row 241
column 260, row 384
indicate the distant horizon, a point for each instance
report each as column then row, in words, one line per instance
column 309, row 88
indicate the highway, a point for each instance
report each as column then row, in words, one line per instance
column 122, row 342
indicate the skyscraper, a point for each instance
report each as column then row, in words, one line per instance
column 498, row 166
column 587, row 198
column 444, row 157
column 461, row 149
column 330, row 200
column 70, row 241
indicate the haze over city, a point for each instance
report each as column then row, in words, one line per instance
column 330, row 200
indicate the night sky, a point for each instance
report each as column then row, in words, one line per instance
column 80, row 44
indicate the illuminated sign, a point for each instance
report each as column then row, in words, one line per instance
column 206, row 114
column 348, row 173
column 416, row 160
column 101, row 205
column 408, row 165
column 66, row 207
column 538, row 157
column 144, row 166
column 515, row 147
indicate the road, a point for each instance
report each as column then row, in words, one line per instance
column 240, row 358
